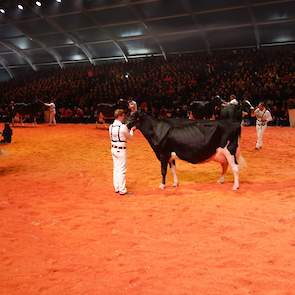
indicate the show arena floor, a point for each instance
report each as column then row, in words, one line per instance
column 64, row 232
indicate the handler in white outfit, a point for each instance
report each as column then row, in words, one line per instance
column 119, row 134
column 52, row 112
column 263, row 116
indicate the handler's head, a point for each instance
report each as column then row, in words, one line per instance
column 120, row 115
column 261, row 106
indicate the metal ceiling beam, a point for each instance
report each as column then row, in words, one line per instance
column 3, row 64
column 60, row 29
column 19, row 53
column 254, row 24
column 43, row 46
column 153, row 35
column 112, row 39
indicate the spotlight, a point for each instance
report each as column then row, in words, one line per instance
column 38, row 3
column 20, row 7
column 59, row 1
column 2, row 10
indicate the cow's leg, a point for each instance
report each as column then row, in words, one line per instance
column 231, row 159
column 172, row 164
column 221, row 159
column 164, row 165
column 224, row 166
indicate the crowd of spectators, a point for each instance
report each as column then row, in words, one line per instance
column 259, row 75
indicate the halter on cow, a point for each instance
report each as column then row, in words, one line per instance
column 194, row 142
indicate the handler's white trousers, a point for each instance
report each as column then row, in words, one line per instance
column 119, row 170
column 52, row 120
column 260, row 129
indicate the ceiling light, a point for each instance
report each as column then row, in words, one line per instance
column 38, row 3
column 2, row 10
column 20, row 7
column 59, row 1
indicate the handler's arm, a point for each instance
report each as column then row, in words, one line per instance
column 128, row 134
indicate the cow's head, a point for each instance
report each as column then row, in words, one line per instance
column 134, row 120
column 247, row 106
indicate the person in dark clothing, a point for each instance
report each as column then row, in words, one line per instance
column 6, row 134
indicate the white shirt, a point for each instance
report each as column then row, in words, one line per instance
column 119, row 134
column 51, row 107
column 262, row 117
column 234, row 102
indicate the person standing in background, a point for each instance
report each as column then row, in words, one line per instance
column 263, row 116
column 52, row 112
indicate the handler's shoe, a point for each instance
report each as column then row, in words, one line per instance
column 123, row 193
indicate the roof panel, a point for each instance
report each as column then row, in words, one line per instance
column 55, row 40
column 9, row 31
column 201, row 5
column 14, row 59
column 274, row 12
column 277, row 33
column 105, row 50
column 127, row 31
column 112, row 16
column 4, row 76
column 232, row 38
column 142, row 47
column 40, row 56
column 71, row 53
column 4, row 49
column 172, row 24
column 39, row 26
column 224, row 18
column 177, row 43
column 89, row 35
column 89, row 4
column 74, row 21
column 161, row 8
column 24, row 43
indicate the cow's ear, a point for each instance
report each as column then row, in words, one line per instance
column 160, row 132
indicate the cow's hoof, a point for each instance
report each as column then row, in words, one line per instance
column 162, row 186
column 220, row 180
column 176, row 184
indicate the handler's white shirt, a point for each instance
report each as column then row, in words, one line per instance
column 51, row 107
column 119, row 134
column 262, row 117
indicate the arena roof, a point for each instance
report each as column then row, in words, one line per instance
column 60, row 32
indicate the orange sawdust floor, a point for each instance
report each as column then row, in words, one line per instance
column 64, row 231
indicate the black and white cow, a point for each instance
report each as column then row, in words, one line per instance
column 191, row 141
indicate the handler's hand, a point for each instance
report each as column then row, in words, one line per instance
column 133, row 128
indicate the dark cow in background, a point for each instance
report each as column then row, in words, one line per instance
column 219, row 109
column 205, row 109
column 191, row 141
column 105, row 111
column 25, row 110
